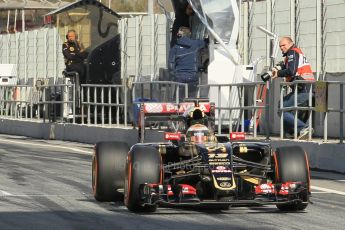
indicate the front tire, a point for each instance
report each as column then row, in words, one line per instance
column 144, row 165
column 292, row 166
column 108, row 170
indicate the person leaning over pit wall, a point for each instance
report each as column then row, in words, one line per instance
column 294, row 67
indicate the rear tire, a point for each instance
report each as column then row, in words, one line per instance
column 144, row 165
column 292, row 166
column 108, row 170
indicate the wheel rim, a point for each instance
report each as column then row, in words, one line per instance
column 94, row 174
column 276, row 168
column 308, row 170
column 128, row 180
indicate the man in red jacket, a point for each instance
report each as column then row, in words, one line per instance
column 296, row 67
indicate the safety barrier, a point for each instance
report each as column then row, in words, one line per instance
column 236, row 116
column 166, row 91
column 105, row 105
column 251, row 105
column 100, row 102
column 284, row 90
column 340, row 110
column 321, row 97
column 38, row 102
column 12, row 100
column 110, row 105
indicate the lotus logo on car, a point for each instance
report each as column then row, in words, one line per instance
column 172, row 136
column 237, row 136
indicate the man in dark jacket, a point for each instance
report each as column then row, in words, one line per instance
column 74, row 55
column 182, row 19
column 183, row 61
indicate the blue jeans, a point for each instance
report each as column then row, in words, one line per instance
column 288, row 101
column 192, row 82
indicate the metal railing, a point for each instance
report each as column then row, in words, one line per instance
column 108, row 105
column 11, row 102
column 167, row 91
column 96, row 105
column 100, row 102
column 311, row 109
column 55, row 100
column 25, row 102
column 339, row 110
column 295, row 108
column 248, row 107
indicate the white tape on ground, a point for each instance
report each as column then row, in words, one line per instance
column 328, row 190
column 39, row 195
column 46, row 145
column 3, row 193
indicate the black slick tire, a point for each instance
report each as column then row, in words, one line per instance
column 108, row 170
column 291, row 165
column 143, row 166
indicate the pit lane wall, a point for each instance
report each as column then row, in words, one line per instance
column 324, row 156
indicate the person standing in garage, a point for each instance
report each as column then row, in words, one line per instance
column 183, row 61
column 182, row 19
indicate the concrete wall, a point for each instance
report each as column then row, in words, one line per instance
column 145, row 37
column 326, row 156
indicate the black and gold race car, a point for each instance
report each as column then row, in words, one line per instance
column 196, row 167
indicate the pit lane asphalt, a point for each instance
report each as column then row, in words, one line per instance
column 47, row 185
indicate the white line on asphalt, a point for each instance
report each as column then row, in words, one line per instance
column 39, row 195
column 328, row 190
column 5, row 193
column 46, row 145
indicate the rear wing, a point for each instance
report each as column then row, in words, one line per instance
column 161, row 111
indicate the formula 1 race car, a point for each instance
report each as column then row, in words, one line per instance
column 196, row 167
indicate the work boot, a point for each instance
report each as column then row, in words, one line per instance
column 304, row 133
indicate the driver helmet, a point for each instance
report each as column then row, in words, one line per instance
column 198, row 134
